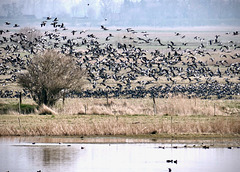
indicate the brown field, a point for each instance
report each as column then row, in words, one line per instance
column 166, row 35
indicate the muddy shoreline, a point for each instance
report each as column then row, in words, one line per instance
column 174, row 142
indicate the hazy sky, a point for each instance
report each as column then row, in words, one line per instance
column 150, row 12
column 66, row 6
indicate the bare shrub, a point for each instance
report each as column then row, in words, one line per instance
column 49, row 74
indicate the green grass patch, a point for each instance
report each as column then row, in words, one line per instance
column 24, row 108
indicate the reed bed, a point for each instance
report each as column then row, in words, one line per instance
column 100, row 117
column 100, row 125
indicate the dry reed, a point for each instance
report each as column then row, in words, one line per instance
column 85, row 125
column 45, row 110
column 87, row 117
column 171, row 106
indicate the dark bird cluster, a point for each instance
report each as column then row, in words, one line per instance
column 126, row 69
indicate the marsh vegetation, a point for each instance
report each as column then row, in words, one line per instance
column 178, row 117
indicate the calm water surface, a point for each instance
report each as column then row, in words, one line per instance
column 21, row 155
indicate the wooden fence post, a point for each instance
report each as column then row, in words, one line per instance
column 214, row 109
column 85, row 108
column 63, row 97
column 20, row 101
column 154, row 106
column 107, row 99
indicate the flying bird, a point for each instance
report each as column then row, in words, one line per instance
column 73, row 32
column 16, row 25
column 43, row 23
column 1, row 32
column 103, row 27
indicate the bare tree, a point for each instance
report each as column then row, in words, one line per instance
column 50, row 73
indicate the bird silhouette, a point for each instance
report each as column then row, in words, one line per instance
column 103, row 27
column 73, row 32
column 16, row 25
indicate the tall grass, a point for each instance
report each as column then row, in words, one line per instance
column 85, row 117
column 171, row 106
column 89, row 125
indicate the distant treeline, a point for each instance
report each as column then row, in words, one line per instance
column 128, row 12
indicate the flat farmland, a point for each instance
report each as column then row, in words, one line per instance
column 139, row 81
column 142, row 58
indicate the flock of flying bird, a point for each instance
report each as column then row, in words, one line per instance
column 125, row 68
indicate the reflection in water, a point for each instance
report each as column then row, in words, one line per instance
column 22, row 156
column 53, row 154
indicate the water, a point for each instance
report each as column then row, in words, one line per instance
column 20, row 155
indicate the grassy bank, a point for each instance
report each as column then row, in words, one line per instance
column 179, row 117
column 131, row 125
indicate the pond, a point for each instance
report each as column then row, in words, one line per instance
column 31, row 154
